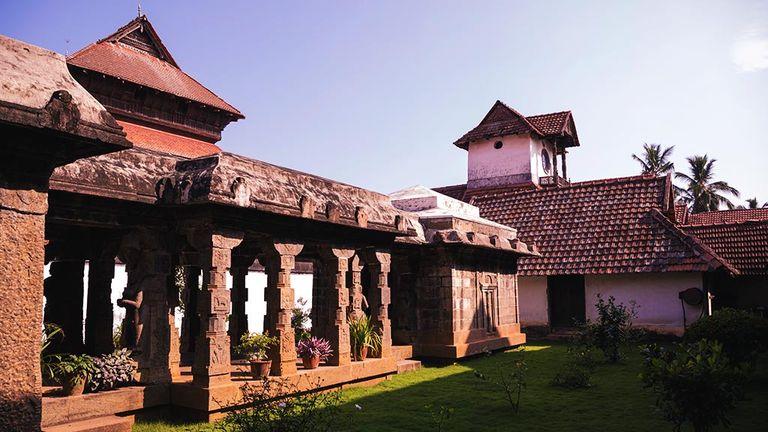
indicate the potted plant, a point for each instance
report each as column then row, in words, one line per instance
column 72, row 372
column 363, row 337
column 254, row 346
column 313, row 350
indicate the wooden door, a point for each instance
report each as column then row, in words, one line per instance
column 566, row 300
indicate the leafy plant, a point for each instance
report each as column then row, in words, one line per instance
column 655, row 160
column 282, row 405
column 440, row 415
column 577, row 369
column 613, row 327
column 742, row 334
column 701, row 192
column 363, row 334
column 314, row 347
column 72, row 367
column 51, row 332
column 510, row 377
column 694, row 383
column 112, row 371
column 254, row 346
column 299, row 319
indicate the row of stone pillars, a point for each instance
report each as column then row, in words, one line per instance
column 207, row 333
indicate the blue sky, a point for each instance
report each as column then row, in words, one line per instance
column 374, row 93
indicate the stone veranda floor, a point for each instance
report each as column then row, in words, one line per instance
column 617, row 401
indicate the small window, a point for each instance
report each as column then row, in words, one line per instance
column 546, row 163
column 498, row 144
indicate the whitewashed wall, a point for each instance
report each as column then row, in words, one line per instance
column 255, row 306
column 656, row 296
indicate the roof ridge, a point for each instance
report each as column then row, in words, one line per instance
column 136, row 23
column 692, row 241
column 727, row 223
column 611, row 180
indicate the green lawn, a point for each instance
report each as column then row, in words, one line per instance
column 616, row 402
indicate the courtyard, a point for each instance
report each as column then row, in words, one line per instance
column 616, row 401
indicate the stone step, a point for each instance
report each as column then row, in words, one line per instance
column 98, row 424
column 402, row 352
column 408, row 366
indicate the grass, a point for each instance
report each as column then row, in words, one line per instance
column 617, row 401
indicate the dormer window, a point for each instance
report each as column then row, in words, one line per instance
column 546, row 163
column 498, row 144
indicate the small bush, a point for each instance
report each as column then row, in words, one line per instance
column 694, row 383
column 612, row 329
column 577, row 370
column 510, row 377
column 742, row 334
column 276, row 405
column 299, row 320
column 112, row 371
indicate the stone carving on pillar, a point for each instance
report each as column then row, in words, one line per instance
column 148, row 263
column 211, row 364
column 335, row 266
column 238, row 321
column 358, row 302
column 279, row 260
column 379, row 263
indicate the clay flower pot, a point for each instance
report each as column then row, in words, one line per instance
column 362, row 355
column 260, row 368
column 73, row 385
column 311, row 362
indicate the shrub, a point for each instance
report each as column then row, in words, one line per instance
column 71, row 367
column 363, row 334
column 254, row 346
column 577, row 370
column 510, row 378
column 613, row 327
column 299, row 319
column 276, row 405
column 440, row 416
column 742, row 334
column 693, row 382
column 314, row 347
column 112, row 371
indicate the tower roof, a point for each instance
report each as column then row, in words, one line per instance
column 503, row 120
column 136, row 54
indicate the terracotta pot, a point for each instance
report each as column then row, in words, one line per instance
column 260, row 368
column 311, row 362
column 360, row 356
column 73, row 386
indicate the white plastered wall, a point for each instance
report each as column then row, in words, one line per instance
column 656, row 296
column 532, row 295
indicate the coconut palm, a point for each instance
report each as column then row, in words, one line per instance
column 700, row 192
column 655, row 160
column 752, row 203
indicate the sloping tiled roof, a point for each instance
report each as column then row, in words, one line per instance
column 503, row 120
column 744, row 244
column 727, row 216
column 455, row 191
column 598, row 227
column 116, row 57
column 165, row 142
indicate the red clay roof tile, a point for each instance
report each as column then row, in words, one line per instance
column 166, row 142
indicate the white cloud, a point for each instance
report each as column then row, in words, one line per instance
column 750, row 52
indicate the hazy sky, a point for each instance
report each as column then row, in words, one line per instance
column 374, row 93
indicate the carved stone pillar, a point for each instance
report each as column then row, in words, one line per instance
column 99, row 318
column 378, row 263
column 22, row 227
column 238, row 321
column 356, row 288
column 190, row 322
column 212, row 358
column 280, row 259
column 335, row 265
column 64, row 303
column 148, row 264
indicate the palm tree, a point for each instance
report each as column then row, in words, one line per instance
column 655, row 160
column 752, row 203
column 700, row 192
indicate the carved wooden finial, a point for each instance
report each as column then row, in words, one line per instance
column 361, row 216
column 307, row 206
column 332, row 212
column 61, row 112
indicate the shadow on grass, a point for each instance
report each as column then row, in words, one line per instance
column 617, row 401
